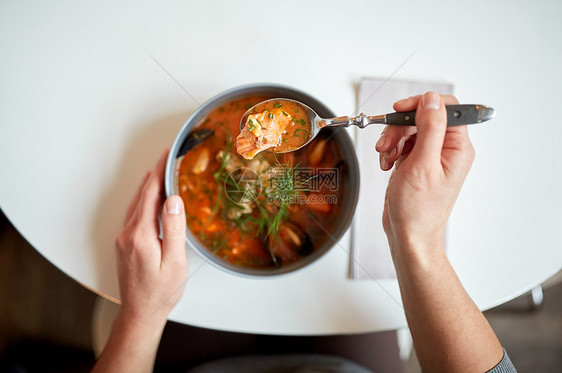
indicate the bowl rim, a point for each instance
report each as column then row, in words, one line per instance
column 350, row 156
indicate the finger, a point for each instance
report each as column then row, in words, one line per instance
column 396, row 152
column 457, row 148
column 458, row 152
column 133, row 206
column 458, row 135
column 408, row 146
column 173, row 229
column 431, row 122
column 397, row 156
column 391, row 135
column 384, row 163
column 449, row 100
column 393, row 138
column 411, row 103
column 152, row 196
column 407, row 104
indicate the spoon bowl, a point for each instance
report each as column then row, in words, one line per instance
column 303, row 118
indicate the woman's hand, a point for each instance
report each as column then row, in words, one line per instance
column 152, row 275
column 151, row 271
column 431, row 162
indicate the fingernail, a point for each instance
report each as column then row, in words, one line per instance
column 431, row 101
column 403, row 101
column 173, row 205
column 380, row 143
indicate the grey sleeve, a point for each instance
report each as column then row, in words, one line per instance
column 504, row 366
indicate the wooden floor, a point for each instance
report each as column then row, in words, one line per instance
column 532, row 337
column 45, row 318
column 43, row 313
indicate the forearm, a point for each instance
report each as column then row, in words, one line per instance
column 449, row 331
column 132, row 346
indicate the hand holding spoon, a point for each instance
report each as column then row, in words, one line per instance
column 283, row 125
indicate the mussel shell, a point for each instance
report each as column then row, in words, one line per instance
column 283, row 249
column 193, row 139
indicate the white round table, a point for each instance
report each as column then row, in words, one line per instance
column 85, row 111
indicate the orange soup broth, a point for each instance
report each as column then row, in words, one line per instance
column 199, row 192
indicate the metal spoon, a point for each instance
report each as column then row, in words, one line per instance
column 456, row 115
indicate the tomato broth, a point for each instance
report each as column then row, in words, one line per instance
column 255, row 213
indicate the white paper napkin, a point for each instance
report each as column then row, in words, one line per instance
column 370, row 254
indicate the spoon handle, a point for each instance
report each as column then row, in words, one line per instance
column 456, row 115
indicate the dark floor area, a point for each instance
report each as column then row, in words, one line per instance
column 45, row 320
column 45, row 316
column 532, row 336
column 183, row 347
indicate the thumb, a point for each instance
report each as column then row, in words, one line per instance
column 431, row 122
column 173, row 228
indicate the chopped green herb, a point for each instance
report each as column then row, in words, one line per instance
column 294, row 120
column 257, row 120
column 286, row 141
column 296, row 110
column 277, row 105
column 297, row 131
column 219, row 177
column 271, row 116
column 251, row 125
column 283, row 183
column 303, row 122
column 285, row 114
